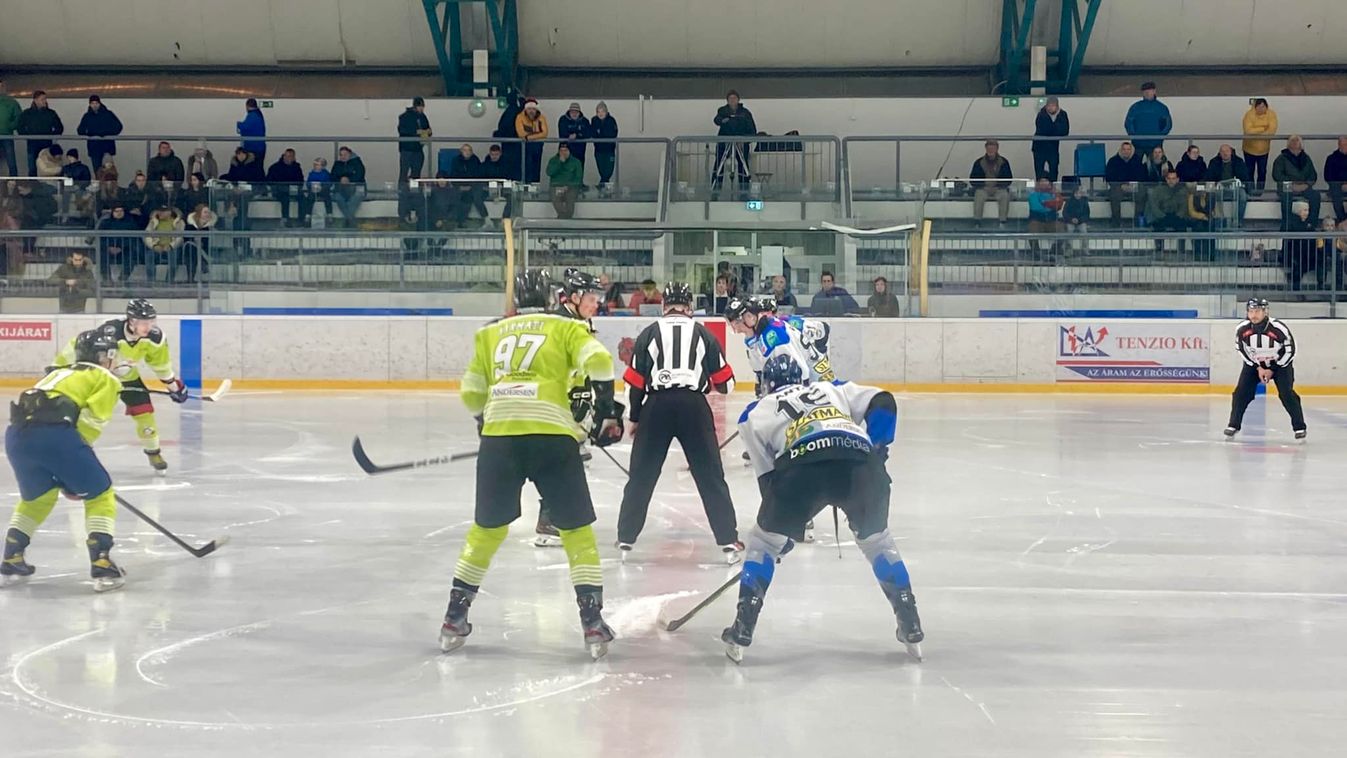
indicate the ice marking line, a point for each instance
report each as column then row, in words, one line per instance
column 1144, row 591
column 166, row 652
column 444, row 529
column 981, row 706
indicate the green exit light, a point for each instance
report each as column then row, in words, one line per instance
column 753, row 205
column 268, row 104
column 1010, row 102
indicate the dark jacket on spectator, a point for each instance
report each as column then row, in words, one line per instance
column 38, row 208
column 1164, row 201
column 604, row 128
column 735, row 123
column 465, row 168
column 983, row 168
column 169, row 164
column 245, row 171
column 137, row 201
column 1119, row 171
column 254, row 124
column 72, row 299
column 189, row 199
column 78, row 173
column 1217, row 169
column 1147, row 117
column 574, row 129
column 1191, row 170
column 40, row 121
column 100, row 123
column 1046, row 126
column 1294, row 168
column 353, row 170
column 282, row 173
column 883, row 305
column 500, row 169
column 1335, row 168
column 134, row 229
column 409, row 122
column 1076, row 210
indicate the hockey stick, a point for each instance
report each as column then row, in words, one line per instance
column 372, row 468
column 677, row 623
column 837, row 530
column 624, row 470
column 200, row 552
column 729, row 439
column 213, row 397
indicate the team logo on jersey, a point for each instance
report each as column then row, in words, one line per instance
column 514, row 391
column 814, row 422
column 1074, row 344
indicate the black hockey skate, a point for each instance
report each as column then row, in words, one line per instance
column 623, row 549
column 1300, row 434
column 809, row 531
column 1231, row 431
column 909, row 623
column 739, row 635
column 456, row 628
column 545, row 533
column 14, row 568
column 107, row 575
column 157, row 462
column 597, row 633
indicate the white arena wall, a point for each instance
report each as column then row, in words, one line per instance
column 997, row 355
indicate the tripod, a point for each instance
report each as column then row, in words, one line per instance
column 736, row 154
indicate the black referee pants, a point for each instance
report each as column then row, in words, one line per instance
column 685, row 416
column 1285, row 379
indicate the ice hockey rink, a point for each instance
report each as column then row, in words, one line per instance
column 1097, row 576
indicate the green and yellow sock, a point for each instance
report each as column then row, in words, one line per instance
column 478, row 551
column 147, row 431
column 30, row 514
column 583, row 553
column 100, row 514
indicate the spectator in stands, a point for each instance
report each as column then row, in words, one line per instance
column 512, row 153
column 531, row 126
column 1295, row 175
column 1124, row 173
column 573, row 127
column 165, row 193
column 1148, row 117
column 721, row 296
column 1298, row 255
column 166, row 163
column 612, row 295
column 196, row 250
column 1051, row 122
column 468, row 195
column 120, row 249
column 415, row 124
column 284, row 178
column 317, row 185
column 991, row 175
column 1230, row 171
column 566, row 175
column 75, row 282
column 162, row 242
column 782, row 293
column 1258, row 120
column 37, row 120
column 883, row 303
column 108, row 195
column 497, row 166
column 245, row 168
column 80, row 178
column 1335, row 173
column 648, row 294
column 1192, row 167
column 195, row 194
column 1044, row 204
column 50, row 162
column 1157, row 165
column 202, row 161
column 604, row 126
column 830, row 297
column 348, row 173
column 9, row 121
column 254, row 125
column 137, row 198
column 733, row 120
column 1167, row 205
column 11, row 248
column 99, row 122
column 1076, row 215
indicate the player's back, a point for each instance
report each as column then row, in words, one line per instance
column 83, row 394
column 808, row 423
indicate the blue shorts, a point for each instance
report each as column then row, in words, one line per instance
column 48, row 456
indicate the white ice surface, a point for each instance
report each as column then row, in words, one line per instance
column 1098, row 576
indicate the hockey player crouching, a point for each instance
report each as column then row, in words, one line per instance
column 814, row 445
column 51, row 430
column 814, row 335
column 517, row 383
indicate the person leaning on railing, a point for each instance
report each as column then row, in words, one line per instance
column 75, row 282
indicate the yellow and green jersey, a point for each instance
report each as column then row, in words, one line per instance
column 91, row 387
column 522, row 369
column 151, row 349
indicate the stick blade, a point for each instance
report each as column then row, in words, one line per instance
column 220, row 391
column 211, row 547
column 361, row 459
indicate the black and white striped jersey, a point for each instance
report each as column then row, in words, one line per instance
column 675, row 352
column 1267, row 344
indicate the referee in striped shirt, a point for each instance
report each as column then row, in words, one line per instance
column 675, row 362
column 1268, row 350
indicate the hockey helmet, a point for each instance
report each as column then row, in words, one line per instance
column 766, row 304
column 96, row 346
column 677, row 293
column 532, row 289
column 1256, row 302
column 574, row 282
column 141, row 310
column 738, row 306
column 781, row 371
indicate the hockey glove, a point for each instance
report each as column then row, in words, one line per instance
column 607, row 431
column 582, row 402
column 177, row 391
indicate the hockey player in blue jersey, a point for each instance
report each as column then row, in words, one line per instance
column 814, row 335
column 765, row 336
column 814, row 445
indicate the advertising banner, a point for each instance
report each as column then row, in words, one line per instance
column 25, row 331
column 1137, row 352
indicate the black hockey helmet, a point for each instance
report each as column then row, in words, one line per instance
column 781, row 371
column 1256, row 302
column 677, row 293
column 95, row 346
column 765, row 303
column 532, row 289
column 141, row 310
column 738, row 306
column 576, row 282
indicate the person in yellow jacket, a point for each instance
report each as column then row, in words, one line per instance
column 139, row 340
column 531, row 126
column 1258, row 120
column 52, row 428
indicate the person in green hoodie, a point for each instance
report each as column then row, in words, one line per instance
column 566, row 174
column 9, row 120
column 76, row 280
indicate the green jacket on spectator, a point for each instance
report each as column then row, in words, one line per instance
column 567, row 173
column 1163, row 200
column 9, row 114
column 73, row 296
column 1290, row 167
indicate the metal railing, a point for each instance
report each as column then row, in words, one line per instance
column 790, row 168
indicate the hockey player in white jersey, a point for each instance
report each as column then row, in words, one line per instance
column 814, row 445
column 814, row 336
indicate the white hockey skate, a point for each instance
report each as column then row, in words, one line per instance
column 734, row 552
column 623, row 549
column 809, row 531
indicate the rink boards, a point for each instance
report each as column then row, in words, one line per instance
column 917, row 355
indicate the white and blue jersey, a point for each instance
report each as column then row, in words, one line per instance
column 778, row 338
column 814, row 422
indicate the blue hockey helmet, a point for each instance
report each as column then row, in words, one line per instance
column 781, row 371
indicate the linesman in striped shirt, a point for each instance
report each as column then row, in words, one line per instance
column 1269, row 352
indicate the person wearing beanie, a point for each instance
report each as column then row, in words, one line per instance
column 254, row 124
column 1148, row 116
column 604, row 126
column 531, row 126
column 413, row 123
column 76, row 171
column 98, row 121
column 574, row 127
column 202, row 161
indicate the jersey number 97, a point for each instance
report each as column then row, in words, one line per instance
column 508, row 348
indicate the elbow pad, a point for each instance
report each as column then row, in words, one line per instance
column 603, row 399
column 881, row 419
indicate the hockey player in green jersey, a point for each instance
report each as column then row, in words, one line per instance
column 51, row 430
column 517, row 384
column 139, row 340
